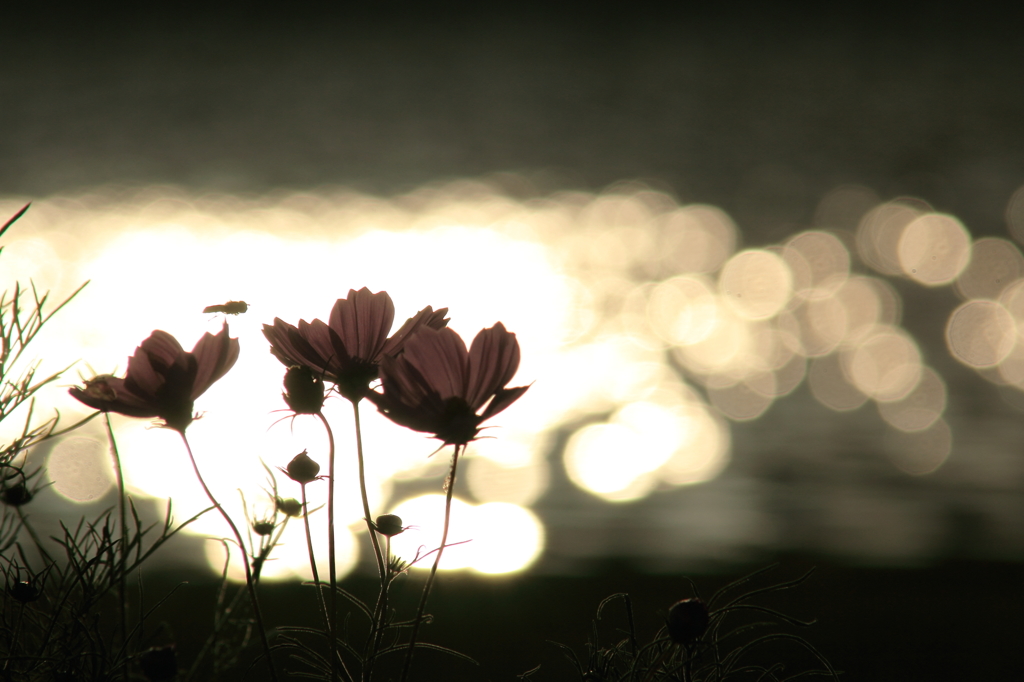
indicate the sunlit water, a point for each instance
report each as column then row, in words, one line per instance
column 646, row 323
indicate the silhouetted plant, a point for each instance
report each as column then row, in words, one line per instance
column 700, row 642
column 56, row 622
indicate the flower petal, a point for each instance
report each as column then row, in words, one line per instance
column 362, row 322
column 428, row 317
column 215, row 355
column 493, row 361
column 502, row 399
column 293, row 346
column 440, row 357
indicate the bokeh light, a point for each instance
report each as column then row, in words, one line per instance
column 644, row 330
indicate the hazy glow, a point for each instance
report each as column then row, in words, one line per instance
column 497, row 537
column 829, row 384
column 506, row 470
column 820, row 263
column 80, row 469
column 695, row 239
column 879, row 234
column 921, row 408
column 682, row 310
column 934, row 248
column 289, row 560
column 618, row 300
column 757, row 284
column 1015, row 215
column 995, row 264
column 921, row 452
column 981, row 333
column 886, row 365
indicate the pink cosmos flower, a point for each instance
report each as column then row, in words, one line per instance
column 437, row 386
column 163, row 380
column 348, row 350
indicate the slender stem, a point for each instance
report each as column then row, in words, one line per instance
column 376, row 626
column 245, row 559
column 332, row 620
column 328, row 622
column 437, row 560
column 121, row 586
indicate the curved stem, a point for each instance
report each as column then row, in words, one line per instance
column 378, row 615
column 328, row 622
column 331, row 556
column 245, row 559
column 437, row 560
column 121, row 583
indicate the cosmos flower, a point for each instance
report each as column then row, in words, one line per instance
column 437, row 386
column 162, row 379
column 348, row 350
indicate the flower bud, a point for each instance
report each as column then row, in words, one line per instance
column 687, row 620
column 16, row 495
column 302, row 469
column 263, row 527
column 289, row 506
column 159, row 664
column 389, row 524
column 24, row 592
column 303, row 390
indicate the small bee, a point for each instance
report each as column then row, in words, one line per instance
column 229, row 308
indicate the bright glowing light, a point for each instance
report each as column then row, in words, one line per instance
column 757, row 284
column 608, row 460
column 995, row 264
column 820, row 263
column 696, row 239
column 934, row 249
column 494, row 538
column 289, row 560
column 80, row 469
column 879, row 234
column 508, row 538
column 981, row 333
column 886, row 365
column 613, row 299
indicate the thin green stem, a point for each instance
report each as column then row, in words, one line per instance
column 121, row 583
column 245, row 560
column 437, row 560
column 331, row 556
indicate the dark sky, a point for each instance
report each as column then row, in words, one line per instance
column 760, row 112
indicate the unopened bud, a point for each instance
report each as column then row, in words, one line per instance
column 302, row 469
column 263, row 527
column 303, row 390
column 24, row 592
column 687, row 620
column 289, row 506
column 16, row 495
column 389, row 524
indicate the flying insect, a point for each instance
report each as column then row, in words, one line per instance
column 229, row 308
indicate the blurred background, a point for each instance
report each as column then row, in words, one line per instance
column 765, row 269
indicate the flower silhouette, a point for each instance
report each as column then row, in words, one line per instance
column 162, row 379
column 348, row 350
column 437, row 386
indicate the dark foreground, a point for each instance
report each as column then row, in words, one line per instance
column 958, row 621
